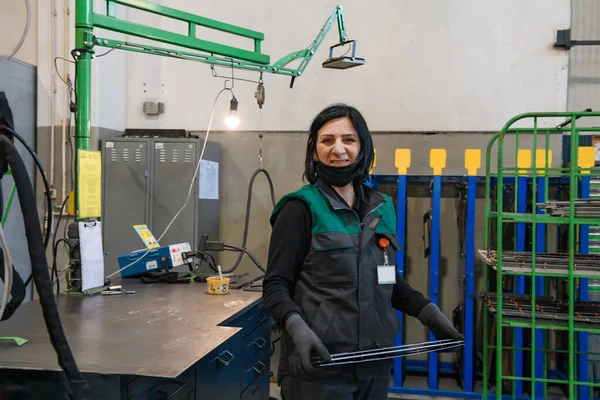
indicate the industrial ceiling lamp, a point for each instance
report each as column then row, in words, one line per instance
column 232, row 120
column 343, row 62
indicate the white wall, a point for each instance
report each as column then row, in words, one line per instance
column 431, row 65
column 13, row 17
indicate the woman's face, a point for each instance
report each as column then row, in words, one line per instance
column 337, row 143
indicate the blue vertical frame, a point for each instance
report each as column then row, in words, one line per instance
column 582, row 342
column 434, row 261
column 400, row 257
column 523, row 183
column 540, row 242
column 469, row 322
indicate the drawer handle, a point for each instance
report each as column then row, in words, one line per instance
column 224, row 361
column 261, row 317
column 260, row 342
column 258, row 371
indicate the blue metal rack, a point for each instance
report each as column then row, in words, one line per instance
column 584, row 242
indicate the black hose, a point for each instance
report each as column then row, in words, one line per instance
column 243, row 249
column 39, row 265
column 46, row 186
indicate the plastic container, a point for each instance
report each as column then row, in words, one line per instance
column 217, row 285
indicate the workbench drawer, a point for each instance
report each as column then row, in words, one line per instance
column 250, row 320
column 257, row 355
column 259, row 389
column 218, row 373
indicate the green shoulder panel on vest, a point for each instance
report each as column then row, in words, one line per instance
column 388, row 217
column 326, row 220
column 323, row 218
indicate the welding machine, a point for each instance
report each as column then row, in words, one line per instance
column 139, row 262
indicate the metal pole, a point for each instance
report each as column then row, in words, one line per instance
column 400, row 256
column 83, row 82
column 434, row 269
column 469, row 284
column 582, row 343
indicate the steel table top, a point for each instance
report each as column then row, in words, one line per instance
column 161, row 330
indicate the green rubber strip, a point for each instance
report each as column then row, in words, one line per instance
column 19, row 341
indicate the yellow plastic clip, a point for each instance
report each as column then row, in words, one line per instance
column 402, row 161
column 437, row 160
column 540, row 160
column 523, row 161
column 586, row 158
column 472, row 161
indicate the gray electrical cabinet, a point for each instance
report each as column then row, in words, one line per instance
column 147, row 181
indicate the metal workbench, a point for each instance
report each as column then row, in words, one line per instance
column 166, row 341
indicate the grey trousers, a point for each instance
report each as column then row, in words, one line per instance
column 374, row 387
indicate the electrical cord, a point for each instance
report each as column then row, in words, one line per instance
column 8, row 276
column 243, row 249
column 38, row 163
column 39, row 264
column 24, row 35
column 46, row 187
column 191, row 188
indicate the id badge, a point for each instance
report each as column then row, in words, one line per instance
column 386, row 274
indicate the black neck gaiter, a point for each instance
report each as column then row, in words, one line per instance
column 338, row 176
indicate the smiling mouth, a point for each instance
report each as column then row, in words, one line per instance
column 339, row 162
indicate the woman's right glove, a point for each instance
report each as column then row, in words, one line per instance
column 307, row 342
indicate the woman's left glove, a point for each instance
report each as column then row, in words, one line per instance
column 433, row 318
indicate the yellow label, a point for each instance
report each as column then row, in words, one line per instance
column 523, row 160
column 472, row 161
column 146, row 236
column 437, row 160
column 540, row 160
column 402, row 161
column 71, row 203
column 89, row 167
column 585, row 158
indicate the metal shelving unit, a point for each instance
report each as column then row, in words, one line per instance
column 543, row 294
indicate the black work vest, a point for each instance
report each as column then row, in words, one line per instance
column 337, row 288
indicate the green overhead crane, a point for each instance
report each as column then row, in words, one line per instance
column 194, row 49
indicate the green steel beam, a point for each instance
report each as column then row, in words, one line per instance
column 176, row 39
column 198, row 57
column 189, row 18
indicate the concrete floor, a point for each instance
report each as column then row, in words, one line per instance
column 411, row 381
column 421, row 382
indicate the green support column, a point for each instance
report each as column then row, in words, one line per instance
column 83, row 81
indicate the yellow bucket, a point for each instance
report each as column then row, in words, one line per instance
column 217, row 286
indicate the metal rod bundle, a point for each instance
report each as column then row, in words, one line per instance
column 389, row 352
column 583, row 264
column 546, row 308
column 584, row 208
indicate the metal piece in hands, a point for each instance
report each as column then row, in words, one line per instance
column 388, row 352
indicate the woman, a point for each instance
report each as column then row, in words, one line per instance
column 330, row 282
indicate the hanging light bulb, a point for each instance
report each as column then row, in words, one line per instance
column 232, row 120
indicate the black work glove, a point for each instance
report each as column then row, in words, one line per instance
column 307, row 342
column 433, row 318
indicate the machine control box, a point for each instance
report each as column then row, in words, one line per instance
column 143, row 261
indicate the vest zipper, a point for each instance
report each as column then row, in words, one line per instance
column 358, row 287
